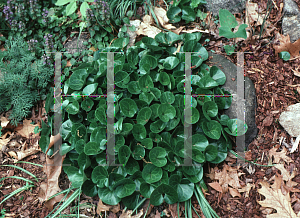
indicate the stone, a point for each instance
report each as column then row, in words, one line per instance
column 234, row 6
column 230, row 70
column 132, row 34
column 71, row 46
column 291, row 20
column 290, row 120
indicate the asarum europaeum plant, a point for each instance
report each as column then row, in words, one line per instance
column 149, row 122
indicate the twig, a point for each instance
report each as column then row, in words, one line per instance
column 275, row 4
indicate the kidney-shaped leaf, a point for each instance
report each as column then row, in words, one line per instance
column 99, row 176
column 157, row 156
column 139, row 132
column 236, row 127
column 184, row 187
column 212, row 129
column 124, row 188
column 217, row 75
column 163, row 193
column 91, row 148
column 152, row 173
column 128, row 107
column 166, row 112
column 144, row 115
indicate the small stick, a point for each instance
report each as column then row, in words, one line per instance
column 275, row 4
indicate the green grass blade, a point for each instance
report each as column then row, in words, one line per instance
column 62, row 192
column 152, row 12
column 17, row 177
column 30, row 163
column 16, row 192
column 139, row 204
column 195, row 211
column 67, row 202
column 20, row 168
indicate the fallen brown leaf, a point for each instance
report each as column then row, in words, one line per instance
column 28, row 128
column 276, row 200
column 286, row 45
column 102, row 207
column 146, row 29
column 161, row 15
column 279, row 155
column 246, row 189
column 52, row 168
column 128, row 212
column 234, row 192
column 216, row 186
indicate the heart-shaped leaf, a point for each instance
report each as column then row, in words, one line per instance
column 151, row 173
column 128, row 107
column 163, row 193
column 157, row 156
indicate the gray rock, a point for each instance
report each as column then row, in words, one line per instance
column 230, row 70
column 71, row 46
column 290, row 120
column 234, row 6
column 291, row 20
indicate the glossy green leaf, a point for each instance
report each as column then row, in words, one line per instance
column 164, row 78
column 151, row 173
column 133, row 87
column 236, row 127
column 173, row 14
column 147, row 97
column 73, row 108
column 108, row 196
column 212, row 129
column 144, row 116
column 124, row 188
column 166, row 112
column 157, row 126
column 147, row 189
column 139, row 132
column 184, row 187
column 147, row 143
column 163, row 193
column 188, row 14
column 157, row 156
column 217, row 75
column 124, row 154
column 87, row 104
column 145, row 83
column 75, row 176
column 128, row 107
column 91, row 148
column 211, row 153
column 167, row 97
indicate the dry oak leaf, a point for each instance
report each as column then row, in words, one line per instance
column 286, row 45
column 127, row 214
column 246, row 189
column 276, row 200
column 216, row 186
column 287, row 176
column 279, row 155
column 102, row 207
column 161, row 15
column 234, row 192
column 28, row 128
column 146, row 29
column 228, row 176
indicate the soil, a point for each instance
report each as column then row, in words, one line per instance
column 271, row 76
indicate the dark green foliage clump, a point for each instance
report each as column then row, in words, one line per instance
column 23, row 79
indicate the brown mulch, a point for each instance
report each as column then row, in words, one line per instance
column 271, row 77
